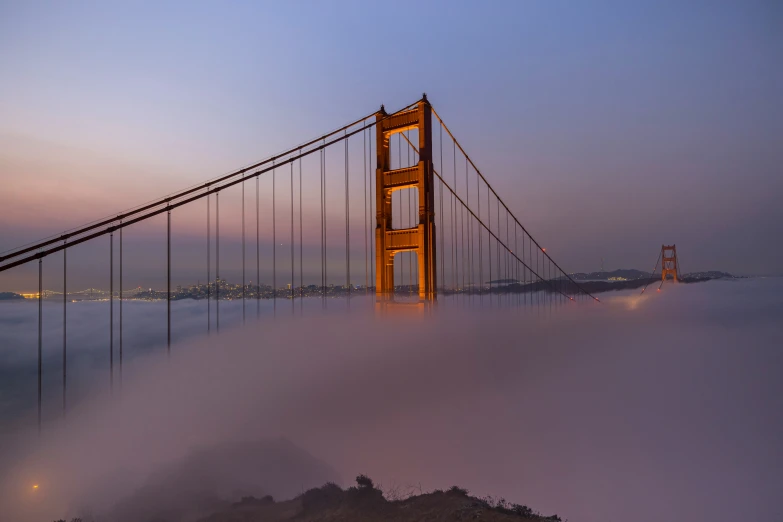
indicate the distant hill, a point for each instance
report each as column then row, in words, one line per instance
column 330, row 503
column 711, row 274
column 623, row 274
column 9, row 296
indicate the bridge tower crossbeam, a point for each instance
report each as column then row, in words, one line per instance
column 421, row 238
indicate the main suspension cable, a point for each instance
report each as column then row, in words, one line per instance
column 500, row 201
column 653, row 271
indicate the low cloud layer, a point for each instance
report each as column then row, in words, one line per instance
column 666, row 407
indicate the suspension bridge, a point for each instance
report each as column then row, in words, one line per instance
column 430, row 226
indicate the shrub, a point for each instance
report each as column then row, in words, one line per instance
column 364, row 482
column 456, row 490
column 328, row 495
column 253, row 501
column 522, row 511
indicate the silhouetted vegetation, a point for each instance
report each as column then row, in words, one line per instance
column 366, row 501
column 363, row 481
column 456, row 490
column 253, row 501
column 330, row 495
column 501, row 505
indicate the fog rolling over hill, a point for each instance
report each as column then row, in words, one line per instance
column 648, row 408
column 210, row 478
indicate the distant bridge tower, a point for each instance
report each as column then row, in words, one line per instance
column 421, row 238
column 669, row 262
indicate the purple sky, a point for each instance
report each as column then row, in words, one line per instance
column 609, row 128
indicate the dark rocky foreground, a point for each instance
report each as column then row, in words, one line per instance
column 330, row 503
column 205, row 485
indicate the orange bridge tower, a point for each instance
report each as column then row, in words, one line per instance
column 421, row 238
column 669, row 262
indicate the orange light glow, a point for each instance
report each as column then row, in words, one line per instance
column 35, row 486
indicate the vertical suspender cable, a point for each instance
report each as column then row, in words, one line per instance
column 366, row 225
column 516, row 265
column 323, row 231
column 534, row 282
column 65, row 306
column 497, row 242
column 507, row 258
column 293, row 282
column 321, row 219
column 347, row 224
column 470, row 229
column 326, row 266
column 549, row 275
column 480, row 246
column 545, row 268
column 274, row 246
column 301, row 241
column 243, row 251
column 538, row 279
column 560, row 285
column 111, row 304
column 454, row 259
column 217, row 261
column 525, row 269
column 208, row 267
column 120, row 305
column 168, row 284
column 461, row 221
column 40, row 337
column 489, row 242
column 258, row 254
column 529, row 275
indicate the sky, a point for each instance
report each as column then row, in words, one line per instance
column 608, row 127
column 576, row 410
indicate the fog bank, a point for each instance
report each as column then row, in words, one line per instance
column 664, row 407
